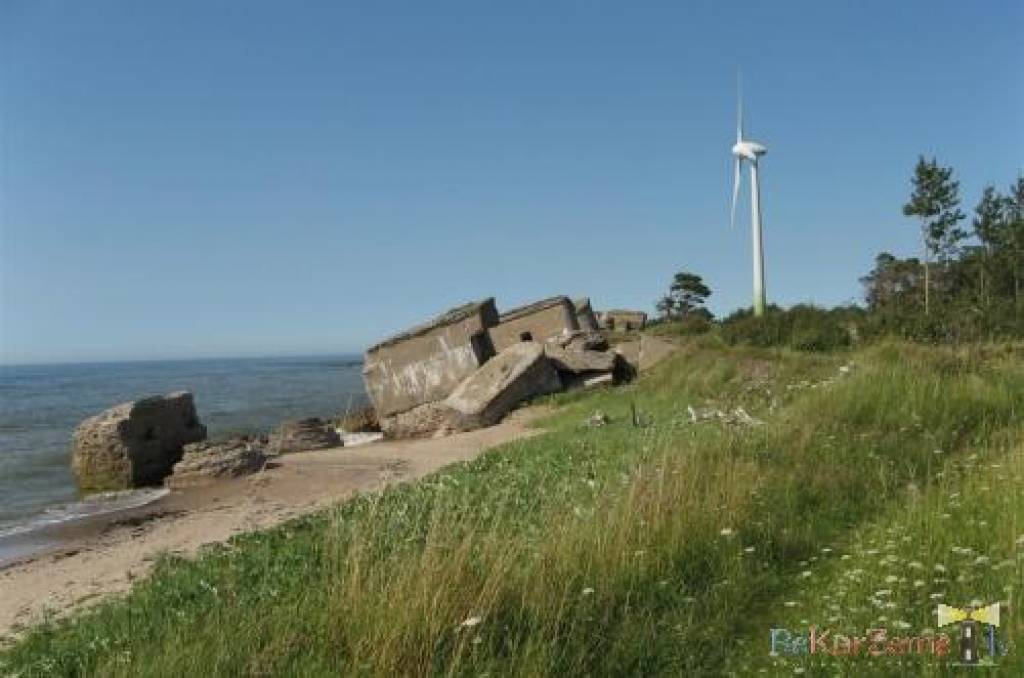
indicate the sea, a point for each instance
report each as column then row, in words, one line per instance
column 40, row 405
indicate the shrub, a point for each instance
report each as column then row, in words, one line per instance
column 802, row 327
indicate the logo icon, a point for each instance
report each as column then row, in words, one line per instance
column 970, row 620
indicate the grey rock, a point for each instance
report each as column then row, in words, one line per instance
column 207, row 462
column 136, row 443
column 302, row 435
column 423, row 420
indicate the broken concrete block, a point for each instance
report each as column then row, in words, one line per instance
column 585, row 314
column 519, row 372
column 539, row 321
column 576, row 362
column 136, row 443
column 206, row 462
column 420, row 421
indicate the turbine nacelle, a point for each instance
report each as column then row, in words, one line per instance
column 748, row 150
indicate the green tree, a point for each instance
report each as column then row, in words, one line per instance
column 894, row 285
column 991, row 228
column 666, row 307
column 935, row 202
column 1014, row 245
column 689, row 293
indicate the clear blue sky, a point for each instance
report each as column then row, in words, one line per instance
column 242, row 178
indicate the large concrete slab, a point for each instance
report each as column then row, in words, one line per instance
column 519, row 372
column 424, row 364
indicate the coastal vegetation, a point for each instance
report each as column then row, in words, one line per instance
column 865, row 486
column 967, row 286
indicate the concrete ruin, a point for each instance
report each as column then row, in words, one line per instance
column 469, row 366
column 517, row 373
column 585, row 314
column 539, row 321
column 423, row 365
column 623, row 321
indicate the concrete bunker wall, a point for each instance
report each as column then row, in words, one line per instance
column 624, row 321
column 585, row 314
column 425, row 364
column 536, row 322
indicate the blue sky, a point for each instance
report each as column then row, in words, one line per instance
column 247, row 178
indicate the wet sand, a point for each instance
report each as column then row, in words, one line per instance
column 75, row 564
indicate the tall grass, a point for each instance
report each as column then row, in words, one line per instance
column 666, row 548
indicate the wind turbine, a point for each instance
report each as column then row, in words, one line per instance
column 750, row 151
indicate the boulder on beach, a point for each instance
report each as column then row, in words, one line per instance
column 421, row 421
column 519, row 372
column 302, row 435
column 136, row 443
column 206, row 462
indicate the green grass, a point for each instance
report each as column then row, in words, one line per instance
column 670, row 548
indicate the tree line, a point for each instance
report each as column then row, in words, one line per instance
column 967, row 284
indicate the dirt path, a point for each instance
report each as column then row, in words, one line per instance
column 101, row 557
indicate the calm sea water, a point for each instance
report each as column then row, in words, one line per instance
column 41, row 405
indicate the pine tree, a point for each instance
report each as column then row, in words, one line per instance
column 935, row 202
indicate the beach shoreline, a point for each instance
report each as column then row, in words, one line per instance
column 72, row 565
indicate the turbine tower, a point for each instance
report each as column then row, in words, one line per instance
column 750, row 151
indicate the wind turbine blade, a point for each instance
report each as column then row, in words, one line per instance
column 735, row 193
column 739, row 108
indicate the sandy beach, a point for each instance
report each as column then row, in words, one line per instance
column 84, row 562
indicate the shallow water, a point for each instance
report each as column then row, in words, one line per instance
column 40, row 406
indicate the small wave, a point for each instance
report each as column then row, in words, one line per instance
column 92, row 505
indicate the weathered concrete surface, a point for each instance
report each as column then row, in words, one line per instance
column 644, row 353
column 303, row 435
column 585, row 314
column 519, row 372
column 582, row 341
column 579, row 361
column 653, row 351
column 426, row 363
column 206, row 462
column 423, row 420
column 539, row 321
column 624, row 321
column 134, row 444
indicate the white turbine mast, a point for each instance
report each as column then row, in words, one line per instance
column 750, row 151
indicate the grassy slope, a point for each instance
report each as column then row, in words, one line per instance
column 669, row 548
